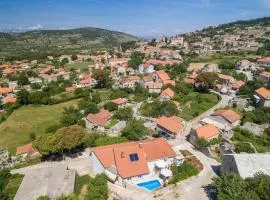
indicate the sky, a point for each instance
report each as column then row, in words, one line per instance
column 137, row 17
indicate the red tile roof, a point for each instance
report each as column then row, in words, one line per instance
column 238, row 84
column 207, row 131
column 168, row 92
column 69, row 89
column 118, row 155
column 100, row 118
column 9, row 100
column 120, row 101
column 172, row 124
column 266, row 74
column 263, row 92
column 162, row 75
column 5, row 90
column 152, row 85
column 229, row 115
column 28, row 148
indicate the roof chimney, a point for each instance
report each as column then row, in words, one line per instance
column 122, row 154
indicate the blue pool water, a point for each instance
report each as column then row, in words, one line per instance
column 150, row 185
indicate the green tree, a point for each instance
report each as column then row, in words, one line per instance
column 206, row 81
column 91, row 107
column 74, row 57
column 135, row 130
column 124, row 114
column 64, row 61
column 32, row 136
column 23, row 97
column 23, row 79
column 103, row 78
column 136, row 59
column 70, row 137
column 98, row 188
column 47, row 144
column 229, row 186
column 111, row 106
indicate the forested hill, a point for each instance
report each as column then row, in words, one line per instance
column 39, row 43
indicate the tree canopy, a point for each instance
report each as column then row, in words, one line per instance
column 136, row 59
column 135, row 130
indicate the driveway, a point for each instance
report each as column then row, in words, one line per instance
column 195, row 188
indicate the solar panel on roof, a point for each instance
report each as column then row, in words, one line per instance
column 133, row 157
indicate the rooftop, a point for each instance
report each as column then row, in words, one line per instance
column 207, row 131
column 172, row 124
column 100, row 118
column 265, row 93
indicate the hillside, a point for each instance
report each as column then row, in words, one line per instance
column 37, row 44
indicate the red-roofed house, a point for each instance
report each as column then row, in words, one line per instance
column 264, row 62
column 129, row 82
column 262, row 97
column 146, row 68
column 265, row 77
column 98, row 121
column 230, row 116
column 206, row 132
column 237, row 85
column 121, row 102
column 166, row 94
column 9, row 100
column 128, row 163
column 160, row 76
column 169, row 127
column 27, row 151
column 154, row 88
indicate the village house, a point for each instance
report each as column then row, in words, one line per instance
column 27, row 151
column 265, row 77
column 237, row 85
column 133, row 162
column 98, row 121
column 121, row 102
column 166, row 94
column 7, row 100
column 224, row 119
column 71, row 88
column 246, row 165
column 162, row 77
column 118, row 70
column 169, row 127
column 211, row 68
column 226, row 79
column 206, row 132
column 262, row 97
column 4, row 91
column 154, row 88
column 146, row 68
column 118, row 61
column 264, row 62
column 85, row 80
column 146, row 80
column 177, row 40
column 129, row 82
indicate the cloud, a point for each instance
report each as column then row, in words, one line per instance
column 36, row 27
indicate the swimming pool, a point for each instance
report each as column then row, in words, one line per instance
column 150, row 185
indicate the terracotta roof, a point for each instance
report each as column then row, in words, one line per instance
column 152, row 85
column 162, row 75
column 100, row 118
column 265, row 93
column 207, row 131
column 69, row 89
column 118, row 155
column 229, row 115
column 120, row 101
column 130, row 78
column 189, row 81
column 5, row 90
column 238, row 84
column 168, row 92
column 264, row 60
column 169, row 82
column 172, row 124
column 225, row 77
column 28, row 148
column 266, row 74
column 9, row 100
column 147, row 78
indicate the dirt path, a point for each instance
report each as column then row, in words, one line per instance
column 83, row 192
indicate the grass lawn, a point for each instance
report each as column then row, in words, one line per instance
column 112, row 123
column 80, row 182
column 13, row 185
column 196, row 103
column 104, row 94
column 64, row 95
column 80, row 66
column 15, row 130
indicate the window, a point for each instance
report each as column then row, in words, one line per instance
column 133, row 157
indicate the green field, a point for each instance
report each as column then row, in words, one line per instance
column 195, row 103
column 15, row 130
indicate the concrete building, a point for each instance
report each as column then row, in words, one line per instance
column 48, row 181
column 169, row 127
column 246, row 165
column 262, row 97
